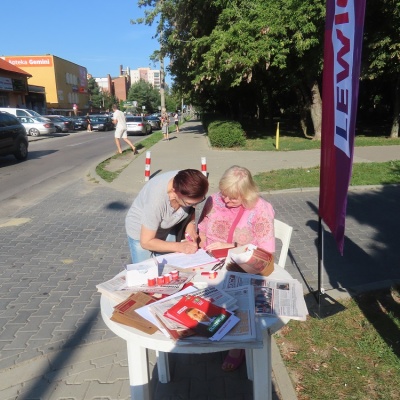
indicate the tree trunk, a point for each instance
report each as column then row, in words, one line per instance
column 304, row 108
column 394, row 133
column 316, row 110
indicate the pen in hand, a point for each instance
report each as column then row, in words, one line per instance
column 188, row 237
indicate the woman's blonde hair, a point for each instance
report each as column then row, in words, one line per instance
column 238, row 182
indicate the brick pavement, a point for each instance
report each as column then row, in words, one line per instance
column 74, row 239
column 48, row 273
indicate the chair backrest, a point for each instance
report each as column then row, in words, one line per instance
column 283, row 232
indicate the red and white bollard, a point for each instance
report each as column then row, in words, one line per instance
column 204, row 166
column 147, row 167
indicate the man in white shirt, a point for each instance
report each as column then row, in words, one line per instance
column 120, row 130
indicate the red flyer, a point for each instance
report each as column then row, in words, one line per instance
column 204, row 317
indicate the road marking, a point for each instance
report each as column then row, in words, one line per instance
column 14, row 222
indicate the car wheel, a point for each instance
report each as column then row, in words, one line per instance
column 34, row 132
column 58, row 129
column 22, row 151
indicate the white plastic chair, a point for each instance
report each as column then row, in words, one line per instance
column 283, row 232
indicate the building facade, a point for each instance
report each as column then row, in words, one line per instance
column 13, row 85
column 65, row 82
column 153, row 76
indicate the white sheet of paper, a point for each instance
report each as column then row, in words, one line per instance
column 181, row 260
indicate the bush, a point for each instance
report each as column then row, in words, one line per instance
column 226, row 134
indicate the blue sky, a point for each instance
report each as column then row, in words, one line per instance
column 97, row 35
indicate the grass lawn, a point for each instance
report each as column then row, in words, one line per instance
column 353, row 353
column 363, row 174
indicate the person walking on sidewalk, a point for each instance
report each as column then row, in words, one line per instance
column 121, row 130
column 165, row 125
column 88, row 123
column 176, row 120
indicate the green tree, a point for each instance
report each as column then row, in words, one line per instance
column 145, row 95
column 381, row 66
column 255, row 58
column 94, row 93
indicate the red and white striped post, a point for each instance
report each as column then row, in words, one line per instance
column 204, row 166
column 147, row 167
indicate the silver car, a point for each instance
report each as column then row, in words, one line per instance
column 37, row 126
column 137, row 125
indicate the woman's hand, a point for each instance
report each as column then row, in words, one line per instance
column 190, row 232
column 188, row 247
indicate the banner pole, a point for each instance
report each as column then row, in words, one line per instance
column 317, row 294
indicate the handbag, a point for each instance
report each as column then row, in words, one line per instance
column 250, row 259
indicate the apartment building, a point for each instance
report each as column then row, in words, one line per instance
column 153, row 76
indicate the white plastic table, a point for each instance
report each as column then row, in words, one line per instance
column 258, row 358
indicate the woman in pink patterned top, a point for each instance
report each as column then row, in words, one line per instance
column 236, row 216
column 238, row 195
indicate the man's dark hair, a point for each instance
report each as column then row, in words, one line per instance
column 191, row 183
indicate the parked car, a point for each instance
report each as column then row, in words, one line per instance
column 13, row 139
column 79, row 122
column 155, row 122
column 101, row 123
column 20, row 112
column 37, row 126
column 137, row 125
column 61, row 123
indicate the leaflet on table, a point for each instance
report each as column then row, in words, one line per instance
column 246, row 331
column 147, row 313
column 170, row 328
column 280, row 297
column 204, row 317
column 124, row 313
column 184, row 261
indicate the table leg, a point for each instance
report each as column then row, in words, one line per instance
column 249, row 363
column 164, row 375
column 262, row 370
column 138, row 372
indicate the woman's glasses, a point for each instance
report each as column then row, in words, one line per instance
column 186, row 204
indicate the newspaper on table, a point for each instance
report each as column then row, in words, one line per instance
column 116, row 288
column 247, row 329
column 273, row 297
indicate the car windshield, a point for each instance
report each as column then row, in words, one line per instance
column 133, row 119
column 35, row 114
column 40, row 119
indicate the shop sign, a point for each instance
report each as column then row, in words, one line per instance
column 30, row 61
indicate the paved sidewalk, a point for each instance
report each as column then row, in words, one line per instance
column 185, row 150
column 54, row 344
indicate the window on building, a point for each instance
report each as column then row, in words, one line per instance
column 4, row 100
